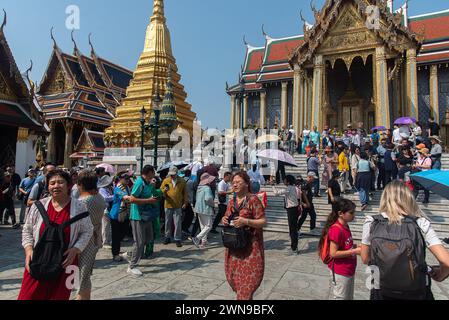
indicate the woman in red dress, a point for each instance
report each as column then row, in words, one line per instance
column 60, row 208
column 245, row 268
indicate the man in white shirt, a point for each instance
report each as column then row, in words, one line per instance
column 256, row 178
column 223, row 190
column 397, row 138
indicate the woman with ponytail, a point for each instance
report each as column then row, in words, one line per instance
column 338, row 251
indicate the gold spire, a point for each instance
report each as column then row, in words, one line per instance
column 158, row 11
column 150, row 76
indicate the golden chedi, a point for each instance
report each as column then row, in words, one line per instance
column 156, row 64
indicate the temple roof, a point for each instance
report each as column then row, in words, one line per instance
column 90, row 144
column 18, row 106
column 82, row 88
column 436, row 35
column 271, row 62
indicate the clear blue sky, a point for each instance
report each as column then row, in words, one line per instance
column 206, row 37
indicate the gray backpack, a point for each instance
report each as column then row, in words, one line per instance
column 399, row 251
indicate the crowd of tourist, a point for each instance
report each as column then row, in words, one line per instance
column 68, row 216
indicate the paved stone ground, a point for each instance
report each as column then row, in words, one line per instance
column 188, row 273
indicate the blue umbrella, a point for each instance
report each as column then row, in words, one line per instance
column 436, row 181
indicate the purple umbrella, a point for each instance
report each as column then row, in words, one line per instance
column 278, row 155
column 379, row 128
column 405, row 121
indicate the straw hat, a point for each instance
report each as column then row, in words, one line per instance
column 435, row 138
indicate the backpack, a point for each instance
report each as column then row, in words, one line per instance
column 325, row 250
column 48, row 254
column 399, row 251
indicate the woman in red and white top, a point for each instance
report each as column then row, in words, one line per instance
column 60, row 209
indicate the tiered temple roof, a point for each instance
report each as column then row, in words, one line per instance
column 18, row 105
column 271, row 62
column 82, row 88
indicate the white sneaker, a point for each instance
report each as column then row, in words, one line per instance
column 196, row 242
column 125, row 256
column 107, row 246
column 135, row 272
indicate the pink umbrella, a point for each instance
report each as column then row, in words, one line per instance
column 109, row 168
column 278, row 155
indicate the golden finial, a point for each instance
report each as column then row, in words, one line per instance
column 158, row 10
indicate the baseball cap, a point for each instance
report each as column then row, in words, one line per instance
column 420, row 146
column 173, row 171
column 312, row 174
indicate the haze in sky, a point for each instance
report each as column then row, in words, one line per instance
column 207, row 37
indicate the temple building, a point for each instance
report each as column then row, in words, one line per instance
column 77, row 93
column 347, row 68
column 151, row 77
column 22, row 125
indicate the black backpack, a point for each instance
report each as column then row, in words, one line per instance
column 399, row 251
column 48, row 254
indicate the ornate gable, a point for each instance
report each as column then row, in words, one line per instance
column 57, row 84
column 348, row 33
column 341, row 28
column 5, row 92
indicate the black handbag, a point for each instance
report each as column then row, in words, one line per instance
column 236, row 238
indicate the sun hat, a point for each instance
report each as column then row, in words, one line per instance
column 104, row 181
column 435, row 138
column 206, row 179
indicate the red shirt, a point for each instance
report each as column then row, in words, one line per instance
column 342, row 236
column 59, row 218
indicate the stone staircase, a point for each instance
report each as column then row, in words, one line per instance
column 437, row 211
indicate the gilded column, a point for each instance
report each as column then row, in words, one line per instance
column 317, row 93
column 232, row 126
column 298, row 101
column 263, row 110
column 434, row 103
column 68, row 144
column 245, row 111
column 412, row 84
column 284, row 105
column 51, row 143
column 382, row 95
column 238, row 114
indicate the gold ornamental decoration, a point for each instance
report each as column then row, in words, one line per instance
column 150, row 77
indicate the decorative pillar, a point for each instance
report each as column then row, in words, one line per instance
column 245, row 111
column 412, row 84
column 232, row 111
column 51, row 150
column 306, row 103
column 263, row 110
column 434, row 103
column 298, row 101
column 382, row 95
column 238, row 119
column 317, row 93
column 68, row 144
column 284, row 105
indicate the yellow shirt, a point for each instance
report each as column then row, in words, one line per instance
column 343, row 162
column 176, row 196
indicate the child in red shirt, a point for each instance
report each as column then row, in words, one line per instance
column 341, row 249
